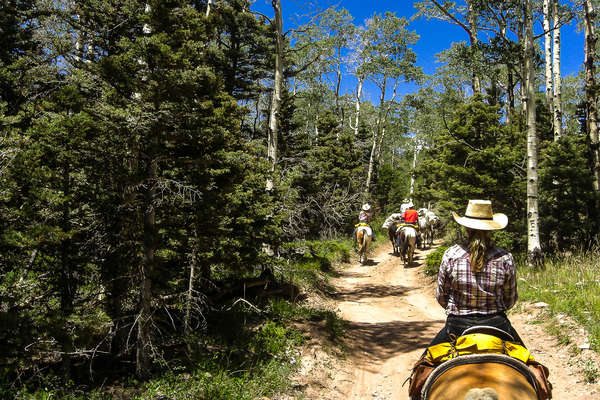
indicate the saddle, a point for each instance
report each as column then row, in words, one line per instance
column 409, row 225
column 487, row 341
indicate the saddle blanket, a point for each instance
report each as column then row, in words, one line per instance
column 365, row 228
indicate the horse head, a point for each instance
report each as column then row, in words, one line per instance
column 481, row 394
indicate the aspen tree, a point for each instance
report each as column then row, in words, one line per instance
column 534, row 251
column 548, row 53
column 557, row 81
column 590, row 88
column 273, row 130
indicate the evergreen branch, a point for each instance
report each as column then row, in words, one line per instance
column 469, row 145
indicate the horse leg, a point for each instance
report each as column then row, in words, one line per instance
column 359, row 240
column 402, row 246
column 392, row 236
column 365, row 246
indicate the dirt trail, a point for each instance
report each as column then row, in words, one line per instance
column 392, row 315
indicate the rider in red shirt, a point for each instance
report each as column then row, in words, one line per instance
column 411, row 216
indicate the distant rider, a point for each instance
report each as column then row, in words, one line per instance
column 404, row 205
column 411, row 217
column 364, row 217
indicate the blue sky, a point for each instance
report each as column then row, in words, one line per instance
column 435, row 36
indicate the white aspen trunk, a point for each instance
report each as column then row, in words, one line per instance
column 384, row 121
column 371, row 163
column 338, row 83
column 476, row 83
column 376, row 136
column 190, row 293
column 361, row 80
column 381, row 114
column 208, row 4
column 548, row 55
column 276, row 98
column 380, row 143
column 590, row 88
column 412, row 174
column 510, row 104
column 534, row 251
column 393, row 155
column 556, row 94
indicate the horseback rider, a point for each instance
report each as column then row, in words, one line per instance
column 364, row 219
column 411, row 217
column 477, row 284
column 477, row 281
column 405, row 205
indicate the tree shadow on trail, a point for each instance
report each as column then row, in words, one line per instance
column 377, row 342
column 370, row 263
column 370, row 290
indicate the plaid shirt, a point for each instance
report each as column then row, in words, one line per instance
column 492, row 290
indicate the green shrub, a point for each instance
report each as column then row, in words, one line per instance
column 432, row 263
column 272, row 339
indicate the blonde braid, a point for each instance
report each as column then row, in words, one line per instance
column 479, row 243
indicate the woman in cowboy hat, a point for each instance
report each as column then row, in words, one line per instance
column 365, row 217
column 477, row 281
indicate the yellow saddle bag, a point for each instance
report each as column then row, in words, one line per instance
column 477, row 343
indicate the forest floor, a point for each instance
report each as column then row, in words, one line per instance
column 391, row 315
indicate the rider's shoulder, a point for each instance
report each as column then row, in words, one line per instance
column 455, row 251
column 498, row 252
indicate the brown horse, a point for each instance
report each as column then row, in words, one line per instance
column 481, row 377
column 363, row 240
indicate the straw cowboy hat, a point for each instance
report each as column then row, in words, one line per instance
column 479, row 215
column 366, row 207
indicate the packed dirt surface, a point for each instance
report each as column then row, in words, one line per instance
column 392, row 315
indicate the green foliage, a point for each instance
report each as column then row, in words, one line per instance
column 308, row 260
column 478, row 157
column 321, row 193
column 274, row 340
column 392, row 188
column 433, row 260
column 569, row 218
column 132, row 165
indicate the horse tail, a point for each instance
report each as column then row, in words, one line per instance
column 360, row 234
column 403, row 241
column 365, row 240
